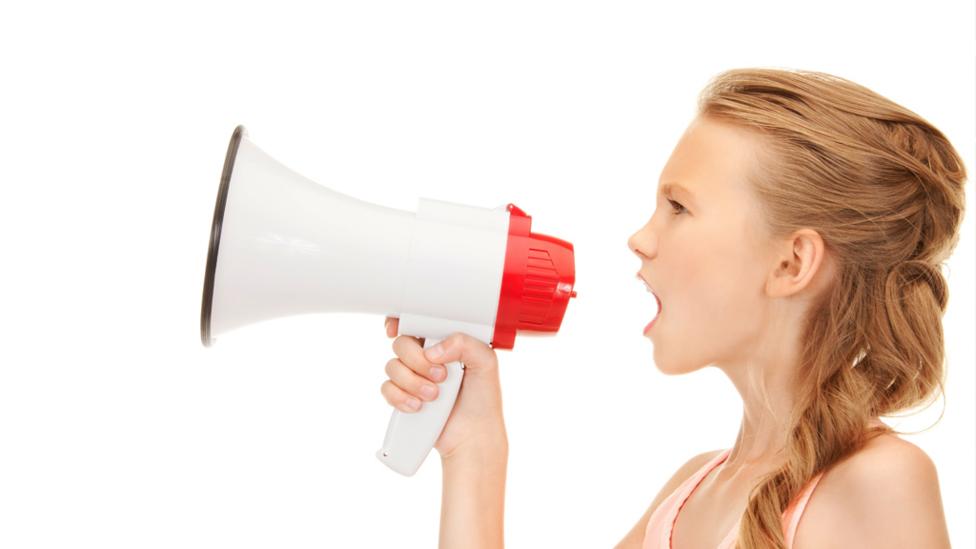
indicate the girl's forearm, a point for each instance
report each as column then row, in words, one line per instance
column 473, row 497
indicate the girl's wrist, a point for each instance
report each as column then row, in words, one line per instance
column 488, row 446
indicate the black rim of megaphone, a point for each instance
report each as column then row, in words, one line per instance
column 218, row 219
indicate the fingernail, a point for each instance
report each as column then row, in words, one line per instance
column 437, row 373
column 434, row 352
column 413, row 404
column 427, row 391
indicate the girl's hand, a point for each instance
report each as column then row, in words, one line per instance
column 476, row 420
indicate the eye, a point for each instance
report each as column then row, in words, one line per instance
column 679, row 209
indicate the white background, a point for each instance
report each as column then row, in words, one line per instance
column 119, row 429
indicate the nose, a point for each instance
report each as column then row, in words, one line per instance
column 640, row 244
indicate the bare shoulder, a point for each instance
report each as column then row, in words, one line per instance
column 635, row 537
column 689, row 468
column 885, row 495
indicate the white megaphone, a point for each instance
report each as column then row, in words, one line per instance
column 282, row 245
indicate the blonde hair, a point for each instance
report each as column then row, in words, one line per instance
column 884, row 190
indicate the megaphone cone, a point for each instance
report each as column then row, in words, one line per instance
column 282, row 245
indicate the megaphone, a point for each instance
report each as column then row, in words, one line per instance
column 283, row 245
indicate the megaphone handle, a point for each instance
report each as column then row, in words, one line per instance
column 410, row 436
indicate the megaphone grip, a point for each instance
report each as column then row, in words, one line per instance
column 410, row 436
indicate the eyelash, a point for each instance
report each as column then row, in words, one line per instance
column 673, row 203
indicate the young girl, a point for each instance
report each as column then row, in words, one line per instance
column 801, row 225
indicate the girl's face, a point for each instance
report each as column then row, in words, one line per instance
column 704, row 252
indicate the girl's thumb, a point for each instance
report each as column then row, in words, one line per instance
column 464, row 348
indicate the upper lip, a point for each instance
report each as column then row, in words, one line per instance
column 651, row 288
column 644, row 280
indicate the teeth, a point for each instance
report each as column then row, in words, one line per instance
column 646, row 285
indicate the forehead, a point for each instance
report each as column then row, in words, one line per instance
column 712, row 160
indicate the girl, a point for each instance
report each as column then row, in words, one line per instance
column 802, row 224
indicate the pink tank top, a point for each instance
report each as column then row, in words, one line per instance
column 659, row 525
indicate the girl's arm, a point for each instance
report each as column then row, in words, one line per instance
column 473, row 443
column 473, row 497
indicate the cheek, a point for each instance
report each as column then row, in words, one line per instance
column 713, row 301
column 718, row 295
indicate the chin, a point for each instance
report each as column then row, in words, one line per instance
column 671, row 367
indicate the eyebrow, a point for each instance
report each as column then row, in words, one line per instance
column 668, row 188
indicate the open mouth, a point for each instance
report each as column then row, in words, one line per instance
column 656, row 317
column 656, row 299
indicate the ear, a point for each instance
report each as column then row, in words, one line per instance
column 800, row 263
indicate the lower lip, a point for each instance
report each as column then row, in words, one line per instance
column 651, row 323
column 648, row 327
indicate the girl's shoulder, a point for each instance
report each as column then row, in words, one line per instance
column 884, row 495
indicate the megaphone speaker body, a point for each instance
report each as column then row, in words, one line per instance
column 283, row 245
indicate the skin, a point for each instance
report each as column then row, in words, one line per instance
column 731, row 296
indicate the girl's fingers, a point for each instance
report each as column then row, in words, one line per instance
column 410, row 350
column 393, row 326
column 398, row 398
column 408, row 380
